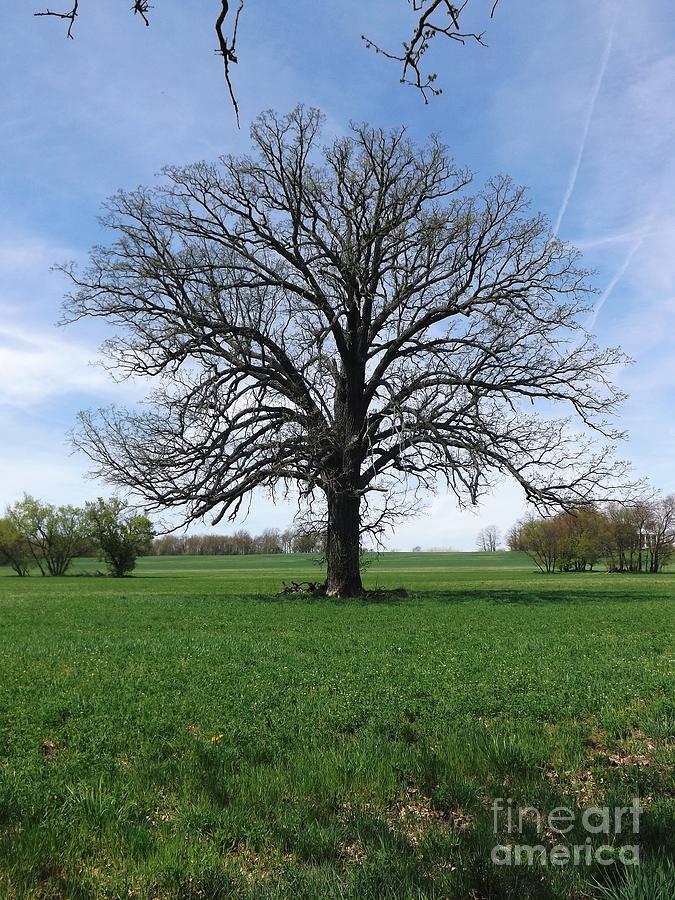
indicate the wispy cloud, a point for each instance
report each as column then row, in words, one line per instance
column 616, row 277
column 597, row 86
column 607, row 240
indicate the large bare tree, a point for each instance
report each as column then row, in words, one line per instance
column 431, row 19
column 349, row 320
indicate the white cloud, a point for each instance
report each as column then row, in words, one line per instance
column 36, row 367
column 597, row 86
column 44, row 470
column 444, row 525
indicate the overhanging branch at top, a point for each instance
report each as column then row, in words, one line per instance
column 431, row 18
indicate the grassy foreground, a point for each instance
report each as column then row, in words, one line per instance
column 188, row 734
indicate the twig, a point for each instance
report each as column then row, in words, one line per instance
column 228, row 49
column 425, row 30
column 141, row 8
column 71, row 16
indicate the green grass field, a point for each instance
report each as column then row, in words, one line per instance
column 186, row 733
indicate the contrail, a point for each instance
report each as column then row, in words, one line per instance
column 587, row 124
column 618, row 275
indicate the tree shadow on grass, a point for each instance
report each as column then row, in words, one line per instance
column 497, row 596
column 539, row 598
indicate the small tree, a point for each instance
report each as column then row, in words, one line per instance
column 14, row 549
column 660, row 539
column 287, row 540
column 54, row 535
column 488, row 539
column 269, row 541
column 513, row 537
column 120, row 536
column 542, row 539
column 583, row 539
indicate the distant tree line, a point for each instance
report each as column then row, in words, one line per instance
column 240, row 543
column 38, row 535
column 637, row 537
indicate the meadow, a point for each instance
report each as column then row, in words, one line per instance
column 188, row 733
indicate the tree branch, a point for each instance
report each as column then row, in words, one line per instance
column 437, row 17
column 71, row 15
column 227, row 48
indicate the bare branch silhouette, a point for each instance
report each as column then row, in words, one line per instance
column 435, row 17
column 70, row 15
column 432, row 18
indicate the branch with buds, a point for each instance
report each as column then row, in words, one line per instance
column 432, row 18
column 435, row 17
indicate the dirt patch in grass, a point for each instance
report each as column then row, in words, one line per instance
column 415, row 815
column 352, row 852
column 640, row 754
column 582, row 784
column 587, row 785
column 49, row 751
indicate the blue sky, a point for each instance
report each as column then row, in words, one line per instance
column 576, row 102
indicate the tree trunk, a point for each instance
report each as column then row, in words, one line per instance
column 343, row 546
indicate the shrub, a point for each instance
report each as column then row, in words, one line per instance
column 121, row 536
column 14, row 549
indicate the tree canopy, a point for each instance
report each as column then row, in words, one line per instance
column 350, row 320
